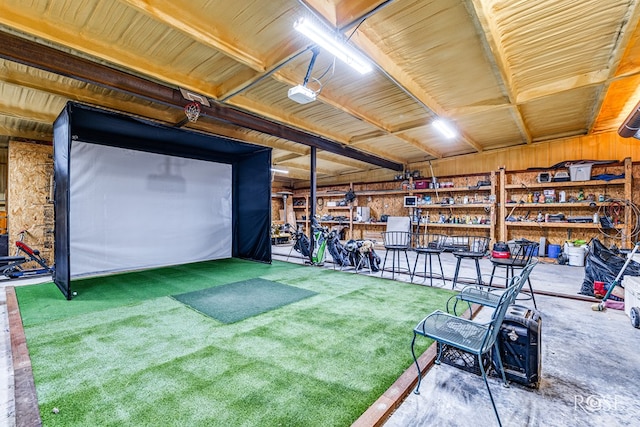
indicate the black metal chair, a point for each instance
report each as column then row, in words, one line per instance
column 487, row 296
column 522, row 251
column 470, row 248
column 397, row 239
column 430, row 245
column 468, row 336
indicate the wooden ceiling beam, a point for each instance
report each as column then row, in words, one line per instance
column 85, row 94
column 25, row 133
column 289, row 165
column 33, row 54
column 26, row 21
column 407, row 83
column 495, row 53
column 346, row 108
column 178, row 15
column 23, row 112
column 286, row 157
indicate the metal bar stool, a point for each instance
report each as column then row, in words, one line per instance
column 469, row 247
column 397, row 239
column 430, row 245
column 522, row 251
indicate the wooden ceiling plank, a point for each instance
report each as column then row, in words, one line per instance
column 30, row 53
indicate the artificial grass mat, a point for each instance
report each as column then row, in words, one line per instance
column 147, row 361
column 240, row 300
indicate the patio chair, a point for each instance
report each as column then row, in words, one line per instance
column 522, row 252
column 397, row 240
column 471, row 248
column 466, row 335
column 490, row 297
column 430, row 245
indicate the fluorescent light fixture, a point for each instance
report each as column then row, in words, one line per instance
column 334, row 45
column 444, row 128
column 279, row 170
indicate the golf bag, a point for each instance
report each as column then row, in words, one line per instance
column 361, row 254
column 338, row 252
column 319, row 242
column 303, row 244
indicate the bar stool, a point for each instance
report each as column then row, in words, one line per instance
column 522, row 251
column 469, row 247
column 397, row 239
column 430, row 245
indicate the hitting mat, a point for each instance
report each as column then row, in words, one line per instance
column 240, row 300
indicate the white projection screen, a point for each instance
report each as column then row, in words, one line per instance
column 131, row 209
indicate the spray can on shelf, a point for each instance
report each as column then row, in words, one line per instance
column 596, row 218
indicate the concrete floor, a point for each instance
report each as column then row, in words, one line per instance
column 590, row 362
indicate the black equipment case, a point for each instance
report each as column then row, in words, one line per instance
column 519, row 344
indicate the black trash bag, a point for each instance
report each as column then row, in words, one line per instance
column 337, row 251
column 603, row 265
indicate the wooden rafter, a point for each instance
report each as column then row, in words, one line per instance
column 496, row 55
column 29, row 53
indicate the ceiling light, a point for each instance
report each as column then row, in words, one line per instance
column 279, row 170
column 333, row 44
column 444, row 128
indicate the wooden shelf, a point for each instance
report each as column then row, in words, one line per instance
column 446, row 225
column 451, row 189
column 557, row 205
column 566, row 184
column 589, row 225
column 456, row 206
column 299, row 207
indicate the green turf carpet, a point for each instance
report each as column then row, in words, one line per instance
column 122, row 353
column 240, row 300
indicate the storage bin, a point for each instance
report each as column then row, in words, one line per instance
column 553, row 251
column 580, row 172
column 576, row 254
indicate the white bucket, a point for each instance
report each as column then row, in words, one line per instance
column 576, row 254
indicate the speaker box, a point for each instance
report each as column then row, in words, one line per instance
column 519, row 342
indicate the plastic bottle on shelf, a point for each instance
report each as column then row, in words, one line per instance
column 563, row 196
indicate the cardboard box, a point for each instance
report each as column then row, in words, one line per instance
column 631, row 293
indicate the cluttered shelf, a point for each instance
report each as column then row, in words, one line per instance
column 556, row 184
column 564, row 224
column 447, row 225
column 568, row 205
column 455, row 206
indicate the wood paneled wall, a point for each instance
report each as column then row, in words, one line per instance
column 29, row 204
column 603, row 146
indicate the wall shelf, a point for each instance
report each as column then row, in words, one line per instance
column 622, row 188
